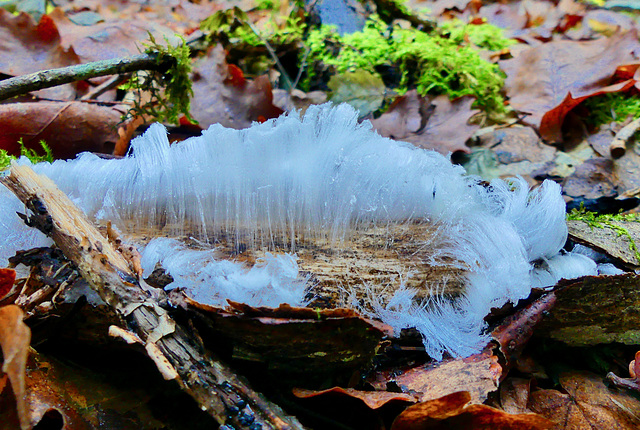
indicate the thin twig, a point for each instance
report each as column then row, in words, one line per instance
column 51, row 78
column 287, row 80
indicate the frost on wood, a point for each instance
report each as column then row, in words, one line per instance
column 325, row 177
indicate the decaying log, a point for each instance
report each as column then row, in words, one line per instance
column 178, row 355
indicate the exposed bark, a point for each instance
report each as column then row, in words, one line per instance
column 177, row 353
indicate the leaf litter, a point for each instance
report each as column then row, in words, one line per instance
column 548, row 91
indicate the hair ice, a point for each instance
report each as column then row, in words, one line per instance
column 323, row 175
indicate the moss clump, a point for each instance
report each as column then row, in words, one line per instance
column 432, row 63
column 170, row 88
column 595, row 220
column 485, row 36
column 607, row 108
column 31, row 154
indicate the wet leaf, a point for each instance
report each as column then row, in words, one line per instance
column 430, row 123
column 453, row 412
column 293, row 340
column 373, row 399
column 549, row 80
column 586, row 402
column 219, row 97
column 68, row 128
column 27, row 47
column 7, row 278
column 15, row 338
column 478, row 375
column 592, row 179
column 361, row 89
column 516, row 330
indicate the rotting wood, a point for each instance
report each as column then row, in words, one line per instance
column 216, row 389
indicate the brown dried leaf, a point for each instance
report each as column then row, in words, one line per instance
column 373, row 399
column 592, row 179
column 27, row 48
column 106, row 40
column 549, row 80
column 478, row 374
column 67, row 127
column 453, row 412
column 586, row 403
column 15, row 338
column 516, row 330
column 514, row 395
column 223, row 96
column 430, row 123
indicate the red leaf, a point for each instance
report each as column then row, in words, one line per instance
column 7, row 278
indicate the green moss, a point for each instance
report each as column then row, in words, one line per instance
column 31, row 154
column 170, row 88
column 432, row 63
column 485, row 36
column 595, row 220
column 606, row 108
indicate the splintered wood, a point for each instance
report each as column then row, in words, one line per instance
column 176, row 351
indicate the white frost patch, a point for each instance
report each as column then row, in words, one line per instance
column 323, row 175
column 272, row 281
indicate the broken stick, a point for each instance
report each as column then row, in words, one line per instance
column 216, row 389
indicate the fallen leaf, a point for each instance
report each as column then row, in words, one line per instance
column 217, row 100
column 428, row 123
column 68, row 128
column 516, row 330
column 27, row 47
column 549, row 80
column 115, row 38
column 292, row 340
column 296, row 99
column 478, row 375
column 514, row 395
column 586, row 403
column 373, row 399
column 592, row 179
column 15, row 338
column 7, row 278
column 361, row 89
column 453, row 412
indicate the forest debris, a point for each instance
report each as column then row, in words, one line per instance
column 68, row 128
column 478, row 375
column 428, row 122
column 585, row 402
column 27, row 48
column 593, row 310
column 549, row 80
column 618, row 146
column 516, row 330
column 609, row 238
column 7, row 278
column 453, row 411
column 373, row 399
column 290, row 340
column 514, row 395
column 214, row 386
column 632, row 383
column 222, row 94
column 15, row 337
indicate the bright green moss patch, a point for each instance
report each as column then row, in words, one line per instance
column 431, row 63
column 485, row 36
column 31, row 154
column 610, row 107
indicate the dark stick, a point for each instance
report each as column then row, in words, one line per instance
column 50, row 78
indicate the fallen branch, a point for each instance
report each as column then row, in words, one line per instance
column 177, row 354
column 51, row 78
column 618, row 146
